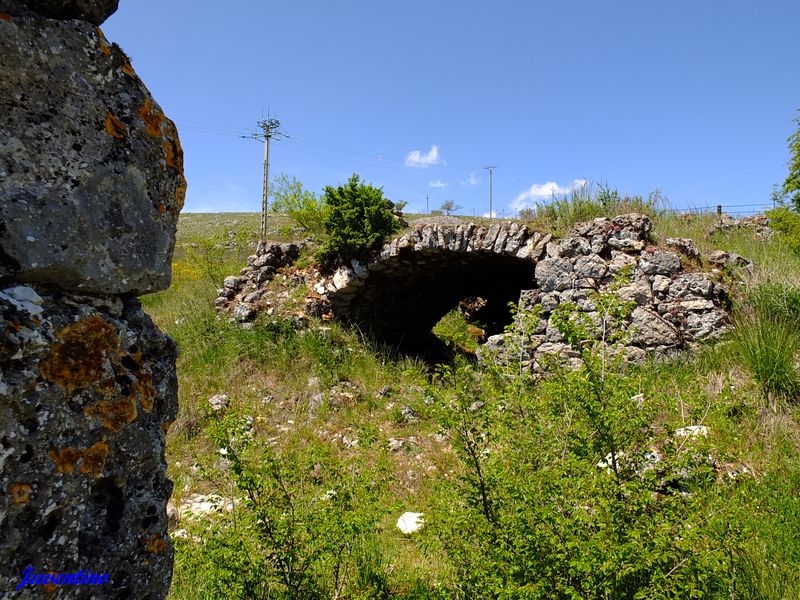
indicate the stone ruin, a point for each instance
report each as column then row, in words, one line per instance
column 92, row 183
column 417, row 277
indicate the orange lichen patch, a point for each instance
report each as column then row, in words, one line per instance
column 152, row 117
column 128, row 69
column 20, row 493
column 94, row 459
column 114, row 414
column 180, row 193
column 147, row 392
column 114, row 127
column 65, row 459
column 155, row 544
column 5, row 17
column 105, row 48
column 79, row 357
column 166, row 425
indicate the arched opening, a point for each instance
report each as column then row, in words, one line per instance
column 405, row 296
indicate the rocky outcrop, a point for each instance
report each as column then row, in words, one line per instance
column 92, row 170
column 88, row 391
column 91, row 183
column 672, row 307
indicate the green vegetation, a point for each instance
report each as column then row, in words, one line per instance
column 791, row 186
column 328, row 440
column 585, row 203
column 301, row 205
column 357, row 219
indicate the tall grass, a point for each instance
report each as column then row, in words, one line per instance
column 585, row 203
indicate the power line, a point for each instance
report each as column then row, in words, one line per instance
column 271, row 129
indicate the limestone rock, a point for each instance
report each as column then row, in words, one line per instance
column 649, row 329
column 92, row 170
column 660, row 262
column 93, row 11
column 86, row 399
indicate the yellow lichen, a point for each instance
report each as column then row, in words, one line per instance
column 20, row 493
column 105, row 48
column 114, row 414
column 65, row 459
column 92, row 459
column 128, row 69
column 114, row 127
column 152, row 117
column 78, row 359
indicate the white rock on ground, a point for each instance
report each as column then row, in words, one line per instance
column 410, row 522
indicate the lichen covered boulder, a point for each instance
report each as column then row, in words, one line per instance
column 92, row 170
column 88, row 390
column 93, row 11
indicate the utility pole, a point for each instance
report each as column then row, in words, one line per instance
column 427, row 210
column 490, row 168
column 271, row 129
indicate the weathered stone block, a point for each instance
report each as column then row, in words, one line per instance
column 87, row 392
column 92, row 170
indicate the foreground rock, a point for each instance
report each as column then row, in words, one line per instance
column 91, row 183
column 89, row 388
column 92, row 170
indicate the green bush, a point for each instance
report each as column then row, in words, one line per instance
column 358, row 218
column 787, row 222
column 536, row 516
column 302, row 206
column 304, row 529
column 791, row 186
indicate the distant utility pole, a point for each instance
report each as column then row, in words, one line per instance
column 271, row 129
column 427, row 210
column 490, row 168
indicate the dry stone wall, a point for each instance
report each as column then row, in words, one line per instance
column 416, row 277
column 674, row 306
column 91, row 183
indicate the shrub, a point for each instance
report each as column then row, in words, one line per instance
column 536, row 516
column 791, row 186
column 358, row 218
column 787, row 222
column 302, row 206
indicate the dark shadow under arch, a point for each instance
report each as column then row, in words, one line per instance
column 405, row 296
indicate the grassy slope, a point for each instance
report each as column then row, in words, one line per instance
column 272, row 375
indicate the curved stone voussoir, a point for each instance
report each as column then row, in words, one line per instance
column 87, row 389
column 92, row 170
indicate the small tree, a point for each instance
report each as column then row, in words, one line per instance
column 357, row 219
column 791, row 187
column 302, row 206
column 448, row 207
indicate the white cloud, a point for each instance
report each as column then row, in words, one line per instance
column 543, row 191
column 438, row 184
column 473, row 179
column 419, row 160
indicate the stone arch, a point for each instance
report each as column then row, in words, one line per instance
column 418, row 277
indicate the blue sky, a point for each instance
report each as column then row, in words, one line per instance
column 695, row 98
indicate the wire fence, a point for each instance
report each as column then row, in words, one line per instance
column 734, row 210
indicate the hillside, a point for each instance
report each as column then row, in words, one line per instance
column 323, row 440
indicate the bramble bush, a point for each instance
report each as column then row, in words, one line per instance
column 357, row 219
